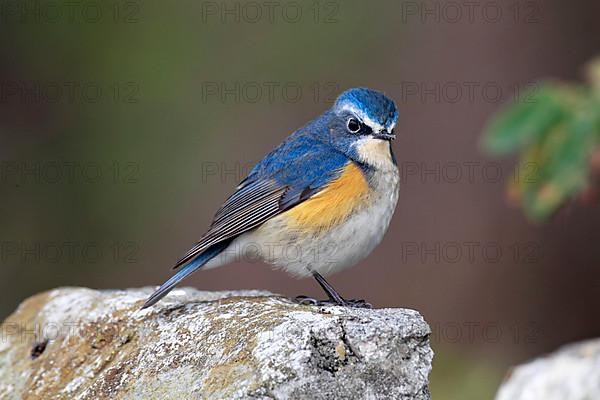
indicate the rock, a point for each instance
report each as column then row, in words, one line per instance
column 76, row 343
column 571, row 373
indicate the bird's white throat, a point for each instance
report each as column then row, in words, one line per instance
column 376, row 153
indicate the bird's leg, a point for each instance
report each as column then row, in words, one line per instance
column 334, row 296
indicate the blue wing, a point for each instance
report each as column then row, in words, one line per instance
column 287, row 176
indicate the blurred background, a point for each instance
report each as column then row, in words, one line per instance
column 124, row 125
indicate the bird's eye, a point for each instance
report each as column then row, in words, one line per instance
column 353, row 125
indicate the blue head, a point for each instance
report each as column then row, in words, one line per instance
column 361, row 124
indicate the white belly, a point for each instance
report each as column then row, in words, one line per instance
column 341, row 247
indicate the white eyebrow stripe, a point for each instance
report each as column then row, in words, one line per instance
column 365, row 118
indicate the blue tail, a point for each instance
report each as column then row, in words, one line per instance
column 184, row 272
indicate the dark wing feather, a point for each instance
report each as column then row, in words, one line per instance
column 245, row 193
column 247, row 208
column 289, row 175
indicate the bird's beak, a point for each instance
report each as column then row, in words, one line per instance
column 384, row 135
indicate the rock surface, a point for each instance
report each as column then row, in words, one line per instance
column 76, row 343
column 571, row 373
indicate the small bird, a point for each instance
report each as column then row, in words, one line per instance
column 318, row 203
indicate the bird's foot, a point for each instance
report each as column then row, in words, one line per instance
column 352, row 303
column 358, row 303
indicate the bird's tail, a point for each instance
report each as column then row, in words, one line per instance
column 184, row 272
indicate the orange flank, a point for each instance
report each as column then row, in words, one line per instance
column 332, row 205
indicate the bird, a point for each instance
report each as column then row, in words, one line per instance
column 318, row 203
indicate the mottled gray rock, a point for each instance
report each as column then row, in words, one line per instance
column 571, row 373
column 75, row 343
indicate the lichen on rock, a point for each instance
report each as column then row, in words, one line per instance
column 77, row 343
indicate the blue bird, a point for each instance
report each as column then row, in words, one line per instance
column 318, row 203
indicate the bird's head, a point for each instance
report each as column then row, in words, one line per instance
column 362, row 125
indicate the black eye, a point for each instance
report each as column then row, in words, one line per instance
column 353, row 125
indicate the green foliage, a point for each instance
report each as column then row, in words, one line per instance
column 555, row 131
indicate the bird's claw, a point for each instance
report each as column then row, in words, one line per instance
column 352, row 303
